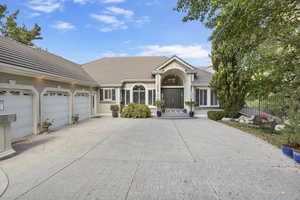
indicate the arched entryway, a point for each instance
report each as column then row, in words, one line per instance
column 172, row 87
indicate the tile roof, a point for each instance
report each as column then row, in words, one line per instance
column 116, row 69
column 17, row 54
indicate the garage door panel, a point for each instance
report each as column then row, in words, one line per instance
column 56, row 110
column 82, row 106
column 21, row 105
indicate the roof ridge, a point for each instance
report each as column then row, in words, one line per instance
column 93, row 61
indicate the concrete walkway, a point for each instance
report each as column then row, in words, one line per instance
column 150, row 159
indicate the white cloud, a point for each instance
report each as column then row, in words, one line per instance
column 63, row 26
column 106, row 19
column 119, row 11
column 46, row 6
column 113, row 1
column 186, row 52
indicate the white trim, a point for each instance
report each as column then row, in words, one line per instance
column 35, row 101
column 146, row 93
column 172, row 86
column 58, row 89
column 177, row 59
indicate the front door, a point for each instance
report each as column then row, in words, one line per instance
column 173, row 97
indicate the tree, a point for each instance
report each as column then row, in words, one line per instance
column 263, row 35
column 10, row 28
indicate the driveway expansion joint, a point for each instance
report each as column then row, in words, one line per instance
column 184, row 142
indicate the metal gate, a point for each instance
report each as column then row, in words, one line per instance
column 173, row 97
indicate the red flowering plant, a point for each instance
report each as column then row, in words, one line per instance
column 264, row 117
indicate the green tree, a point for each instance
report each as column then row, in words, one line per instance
column 20, row 33
column 262, row 35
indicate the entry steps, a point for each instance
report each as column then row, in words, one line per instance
column 175, row 114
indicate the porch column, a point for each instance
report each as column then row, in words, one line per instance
column 118, row 96
column 158, row 86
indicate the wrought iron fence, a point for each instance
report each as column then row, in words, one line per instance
column 272, row 105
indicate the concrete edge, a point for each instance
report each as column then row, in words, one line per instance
column 4, row 182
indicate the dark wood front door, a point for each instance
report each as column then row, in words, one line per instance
column 173, row 97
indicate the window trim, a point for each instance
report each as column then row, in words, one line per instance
column 153, row 91
column 110, row 94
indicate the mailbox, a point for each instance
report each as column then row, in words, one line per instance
column 5, row 143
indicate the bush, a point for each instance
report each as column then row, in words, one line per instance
column 215, row 115
column 135, row 110
column 114, row 108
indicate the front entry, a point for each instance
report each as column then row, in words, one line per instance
column 173, row 97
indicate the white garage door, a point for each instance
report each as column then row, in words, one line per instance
column 19, row 103
column 82, row 106
column 56, row 109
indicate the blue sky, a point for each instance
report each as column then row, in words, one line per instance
column 85, row 30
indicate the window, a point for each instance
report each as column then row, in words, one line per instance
column 201, row 97
column 172, row 80
column 139, row 94
column 107, row 94
column 125, row 97
column 213, row 98
column 151, row 97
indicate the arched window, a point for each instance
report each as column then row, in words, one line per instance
column 172, row 80
column 139, row 94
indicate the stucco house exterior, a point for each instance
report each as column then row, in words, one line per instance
column 146, row 79
column 39, row 86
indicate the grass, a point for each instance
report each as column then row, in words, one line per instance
column 265, row 134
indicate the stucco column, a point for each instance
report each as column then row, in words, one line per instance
column 118, row 96
column 158, row 86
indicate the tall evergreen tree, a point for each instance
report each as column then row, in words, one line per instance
column 20, row 33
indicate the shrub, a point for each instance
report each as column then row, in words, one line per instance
column 215, row 115
column 232, row 114
column 114, row 108
column 135, row 110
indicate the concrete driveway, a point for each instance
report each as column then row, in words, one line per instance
column 150, row 159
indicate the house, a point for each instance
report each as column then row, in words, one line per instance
column 40, row 87
column 146, row 79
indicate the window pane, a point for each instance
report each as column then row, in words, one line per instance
column 127, row 96
column 150, row 97
column 213, row 97
column 154, row 96
column 197, row 97
column 123, row 98
column 203, row 97
column 135, row 97
column 101, row 94
column 113, row 94
column 142, row 97
column 106, row 94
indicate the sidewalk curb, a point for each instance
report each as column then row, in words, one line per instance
column 4, row 182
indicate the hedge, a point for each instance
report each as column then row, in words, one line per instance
column 135, row 110
column 215, row 115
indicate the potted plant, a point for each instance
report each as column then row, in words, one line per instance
column 191, row 104
column 46, row 124
column 115, row 110
column 75, row 119
column 159, row 104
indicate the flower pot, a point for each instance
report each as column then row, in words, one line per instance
column 158, row 113
column 296, row 156
column 288, row 151
column 191, row 114
column 115, row 114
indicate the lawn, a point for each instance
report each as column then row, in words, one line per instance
column 265, row 134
